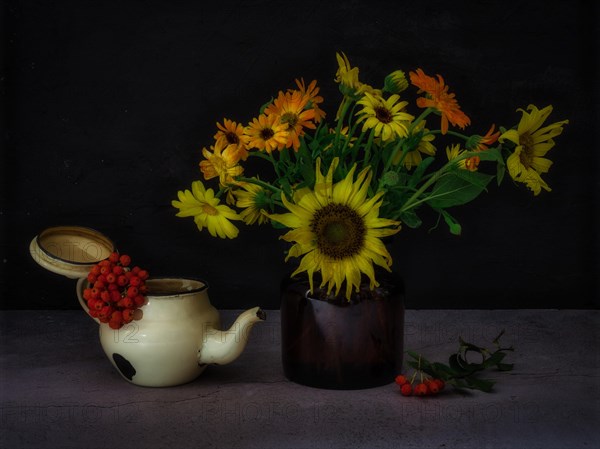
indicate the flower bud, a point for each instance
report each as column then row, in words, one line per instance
column 395, row 82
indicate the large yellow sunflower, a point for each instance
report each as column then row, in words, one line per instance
column 207, row 211
column 337, row 230
column 527, row 162
column 386, row 117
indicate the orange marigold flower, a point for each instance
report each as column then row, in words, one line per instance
column 440, row 99
column 290, row 108
column 314, row 99
column 266, row 133
column 232, row 133
column 222, row 162
column 482, row 143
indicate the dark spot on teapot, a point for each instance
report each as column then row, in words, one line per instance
column 124, row 366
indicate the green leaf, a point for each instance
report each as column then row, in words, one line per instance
column 420, row 171
column 410, row 219
column 457, row 187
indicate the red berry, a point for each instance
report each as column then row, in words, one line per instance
column 114, row 257
column 103, row 263
column 139, row 300
column 433, row 387
column 92, row 278
column 135, row 270
column 115, row 295
column 143, row 275
column 421, row 390
column 440, row 383
column 87, row 294
column 105, row 296
column 128, row 315
column 406, row 389
column 95, row 293
column 95, row 270
column 135, row 281
column 111, row 278
column 115, row 324
column 118, row 270
column 125, row 260
column 98, row 305
column 132, row 292
column 122, row 280
column 401, row 380
column 127, row 302
column 93, row 313
column 106, row 269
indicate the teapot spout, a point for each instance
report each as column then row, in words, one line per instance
column 222, row 347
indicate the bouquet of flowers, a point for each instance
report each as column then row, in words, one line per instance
column 340, row 187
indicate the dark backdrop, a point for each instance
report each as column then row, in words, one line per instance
column 107, row 104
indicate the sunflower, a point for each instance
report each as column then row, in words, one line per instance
column 440, row 99
column 232, row 133
column 266, row 133
column 527, row 162
column 207, row 211
column 222, row 162
column 253, row 199
column 384, row 116
column 337, row 230
column 290, row 108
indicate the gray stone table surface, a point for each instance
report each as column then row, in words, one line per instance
column 58, row 390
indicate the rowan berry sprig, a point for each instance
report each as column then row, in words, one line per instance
column 459, row 373
column 115, row 290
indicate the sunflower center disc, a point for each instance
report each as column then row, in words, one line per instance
column 340, row 231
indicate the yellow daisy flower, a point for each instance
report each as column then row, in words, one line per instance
column 527, row 162
column 222, row 162
column 413, row 158
column 253, row 200
column 347, row 77
column 266, row 133
column 337, row 230
column 384, row 116
column 207, row 211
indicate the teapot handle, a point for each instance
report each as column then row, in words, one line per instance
column 81, row 285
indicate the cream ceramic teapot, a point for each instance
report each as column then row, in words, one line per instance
column 174, row 335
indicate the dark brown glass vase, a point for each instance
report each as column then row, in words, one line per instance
column 328, row 342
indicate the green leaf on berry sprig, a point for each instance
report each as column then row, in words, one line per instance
column 462, row 372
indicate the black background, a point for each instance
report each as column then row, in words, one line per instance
column 107, row 105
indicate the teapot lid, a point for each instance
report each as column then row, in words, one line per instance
column 70, row 250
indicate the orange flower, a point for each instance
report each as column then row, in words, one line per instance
column 439, row 98
column 266, row 133
column 291, row 109
column 314, row 99
column 482, row 143
column 222, row 163
column 232, row 133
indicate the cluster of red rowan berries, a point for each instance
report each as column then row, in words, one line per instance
column 426, row 387
column 115, row 290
